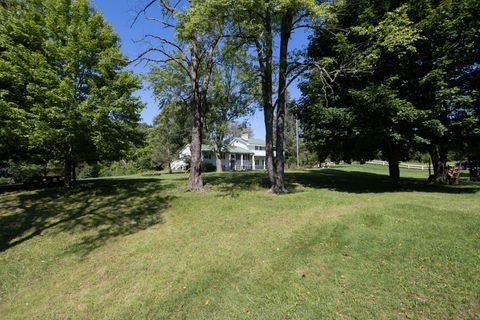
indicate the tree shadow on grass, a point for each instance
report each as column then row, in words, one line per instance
column 94, row 211
column 367, row 182
column 230, row 184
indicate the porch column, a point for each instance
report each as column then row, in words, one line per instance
column 253, row 162
column 264, row 167
column 241, row 161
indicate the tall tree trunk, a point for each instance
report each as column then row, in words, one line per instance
column 195, row 182
column 439, row 161
column 218, row 162
column 67, row 171
column 285, row 32
column 475, row 169
column 170, row 167
column 265, row 60
column 199, row 106
column 393, row 152
column 74, row 171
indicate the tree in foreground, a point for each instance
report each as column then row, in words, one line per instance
column 198, row 28
column 230, row 97
column 445, row 75
column 78, row 104
column 369, row 111
column 258, row 24
column 26, row 77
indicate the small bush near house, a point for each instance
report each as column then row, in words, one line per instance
column 207, row 167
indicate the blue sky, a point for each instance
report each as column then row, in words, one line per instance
column 121, row 13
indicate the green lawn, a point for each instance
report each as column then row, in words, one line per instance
column 344, row 244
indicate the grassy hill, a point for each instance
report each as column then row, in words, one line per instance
column 343, row 244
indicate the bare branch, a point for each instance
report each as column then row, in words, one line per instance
column 304, row 68
column 165, row 41
column 169, row 8
column 306, row 26
column 164, row 23
column 300, row 18
column 260, row 55
column 145, row 8
column 169, row 57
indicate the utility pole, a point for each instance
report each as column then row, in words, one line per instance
column 298, row 149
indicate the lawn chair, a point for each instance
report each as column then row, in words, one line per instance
column 453, row 173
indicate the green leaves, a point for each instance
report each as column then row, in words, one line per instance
column 416, row 76
column 394, row 34
column 63, row 69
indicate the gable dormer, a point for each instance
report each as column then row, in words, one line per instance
column 240, row 143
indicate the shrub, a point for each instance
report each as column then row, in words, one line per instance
column 6, row 180
column 118, row 168
column 86, row 170
column 21, row 172
column 207, row 167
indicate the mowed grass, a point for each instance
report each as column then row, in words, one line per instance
column 343, row 244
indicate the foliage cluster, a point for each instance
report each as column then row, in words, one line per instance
column 412, row 85
column 65, row 94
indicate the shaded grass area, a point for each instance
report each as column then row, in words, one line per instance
column 99, row 209
column 350, row 179
column 345, row 244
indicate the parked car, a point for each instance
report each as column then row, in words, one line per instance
column 464, row 165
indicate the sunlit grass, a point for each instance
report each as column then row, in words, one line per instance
column 344, row 243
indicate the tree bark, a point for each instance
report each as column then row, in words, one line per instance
column 67, row 172
column 475, row 170
column 439, row 161
column 170, row 167
column 74, row 171
column 285, row 32
column 195, row 182
column 199, row 106
column 218, row 162
column 265, row 60
column 393, row 152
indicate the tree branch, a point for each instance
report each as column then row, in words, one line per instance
column 164, row 23
column 144, row 10
column 169, row 8
column 169, row 57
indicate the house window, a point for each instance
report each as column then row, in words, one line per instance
column 207, row 155
column 259, row 148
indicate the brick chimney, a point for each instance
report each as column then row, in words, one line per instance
column 244, row 135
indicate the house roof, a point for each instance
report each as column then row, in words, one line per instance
column 256, row 142
column 231, row 149
column 206, row 147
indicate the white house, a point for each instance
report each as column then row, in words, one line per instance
column 244, row 153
